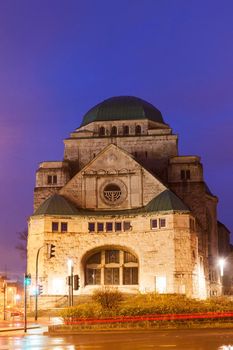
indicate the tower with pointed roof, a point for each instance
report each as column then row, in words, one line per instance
column 126, row 208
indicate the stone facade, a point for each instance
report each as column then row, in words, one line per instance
column 127, row 209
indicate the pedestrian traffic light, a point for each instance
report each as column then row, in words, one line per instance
column 27, row 279
column 40, row 289
column 51, row 251
column 76, row 282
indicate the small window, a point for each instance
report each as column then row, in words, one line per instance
column 138, row 130
column 185, row 175
column 52, row 179
column 146, row 154
column 114, row 131
column 91, row 227
column 102, row 131
column 192, row 224
column 154, row 224
column 54, row 226
column 127, row 225
column 109, row 226
column 118, row 226
column 135, row 154
column 162, row 223
column 100, row 226
column 64, row 227
column 49, row 179
column 126, row 130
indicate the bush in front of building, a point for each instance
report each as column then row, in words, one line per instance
column 108, row 298
column 108, row 303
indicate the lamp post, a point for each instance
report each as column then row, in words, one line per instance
column 70, row 266
column 36, row 292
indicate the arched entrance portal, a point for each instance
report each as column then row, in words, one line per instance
column 111, row 267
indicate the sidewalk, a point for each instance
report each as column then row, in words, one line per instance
column 16, row 325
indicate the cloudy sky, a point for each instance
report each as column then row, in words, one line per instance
column 58, row 58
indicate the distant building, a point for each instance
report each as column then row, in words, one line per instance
column 126, row 208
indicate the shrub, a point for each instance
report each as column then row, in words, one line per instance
column 108, row 298
column 90, row 310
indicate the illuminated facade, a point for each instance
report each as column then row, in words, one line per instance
column 126, row 208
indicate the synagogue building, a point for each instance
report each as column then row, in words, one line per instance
column 126, row 208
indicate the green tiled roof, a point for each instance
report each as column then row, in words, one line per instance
column 122, row 108
column 165, row 201
column 56, row 205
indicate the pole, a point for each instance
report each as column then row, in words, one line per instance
column 36, row 293
column 72, row 285
column 25, row 304
column 4, row 301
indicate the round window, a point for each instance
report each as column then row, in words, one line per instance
column 112, row 193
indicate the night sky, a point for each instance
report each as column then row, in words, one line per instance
column 60, row 58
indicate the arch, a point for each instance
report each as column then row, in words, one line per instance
column 138, row 130
column 102, row 131
column 125, row 130
column 114, row 131
column 110, row 265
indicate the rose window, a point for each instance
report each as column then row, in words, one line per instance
column 112, row 193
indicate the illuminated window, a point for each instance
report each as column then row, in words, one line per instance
column 64, row 227
column 55, row 226
column 91, row 226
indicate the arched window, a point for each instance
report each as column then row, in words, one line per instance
column 102, row 131
column 111, row 267
column 126, row 130
column 114, row 131
column 138, row 130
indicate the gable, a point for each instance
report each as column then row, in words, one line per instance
column 113, row 180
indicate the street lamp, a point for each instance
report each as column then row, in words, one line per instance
column 221, row 263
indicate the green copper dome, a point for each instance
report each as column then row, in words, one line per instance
column 122, row 108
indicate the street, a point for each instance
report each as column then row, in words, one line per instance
column 201, row 339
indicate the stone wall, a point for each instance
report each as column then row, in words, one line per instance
column 161, row 253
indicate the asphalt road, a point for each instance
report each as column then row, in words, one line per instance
column 215, row 339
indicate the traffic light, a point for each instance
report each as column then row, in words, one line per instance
column 76, row 282
column 40, row 289
column 51, row 251
column 3, row 289
column 27, row 280
column 68, row 280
